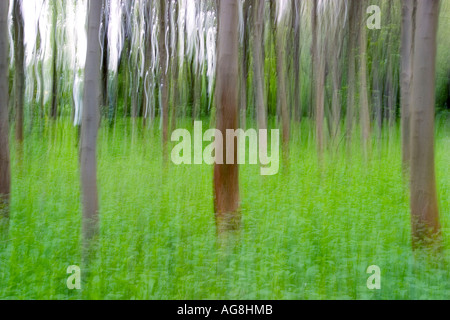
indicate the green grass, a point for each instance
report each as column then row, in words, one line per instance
column 308, row 232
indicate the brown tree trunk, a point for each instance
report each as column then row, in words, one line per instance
column 226, row 176
column 424, row 204
column 89, row 126
column 5, row 171
column 407, row 47
column 19, row 68
column 281, row 86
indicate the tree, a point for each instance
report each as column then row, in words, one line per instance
column 351, row 68
column 19, row 68
column 296, row 8
column 5, row 171
column 105, row 52
column 245, row 62
column 407, row 47
column 54, row 108
column 258, row 65
column 319, row 78
column 281, row 83
column 335, row 54
column 364, row 98
column 164, row 75
column 89, row 125
column 226, row 176
column 424, row 204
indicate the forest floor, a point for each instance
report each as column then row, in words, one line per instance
column 309, row 232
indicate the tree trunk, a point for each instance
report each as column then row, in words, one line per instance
column 351, row 71
column 281, row 86
column 319, row 82
column 175, row 69
column 364, row 98
column 258, row 64
column 424, row 204
column 19, row 68
column 297, row 91
column 244, row 64
column 89, row 126
column 54, row 108
column 164, row 85
column 5, row 171
column 407, row 47
column 105, row 22
column 226, row 176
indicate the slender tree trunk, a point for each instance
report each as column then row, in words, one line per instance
column 164, row 74
column 147, row 63
column 297, row 91
column 258, row 64
column 258, row 69
column 351, row 71
column 364, row 98
column 54, row 108
column 5, row 171
column 175, row 70
column 336, row 99
column 424, row 204
column 89, row 126
column 19, row 68
column 105, row 45
column 319, row 83
column 407, row 47
column 244, row 65
column 281, row 86
column 226, row 176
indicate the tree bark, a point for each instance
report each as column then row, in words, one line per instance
column 19, row 68
column 104, row 64
column 351, row 71
column 258, row 64
column 164, row 78
column 364, row 98
column 89, row 125
column 244, row 64
column 407, row 47
column 319, row 82
column 281, row 86
column 226, row 176
column 54, row 108
column 5, row 171
column 297, row 91
column 424, row 204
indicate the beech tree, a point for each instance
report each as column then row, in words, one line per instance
column 19, row 76
column 226, row 176
column 89, row 125
column 424, row 203
column 5, row 171
column 407, row 47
